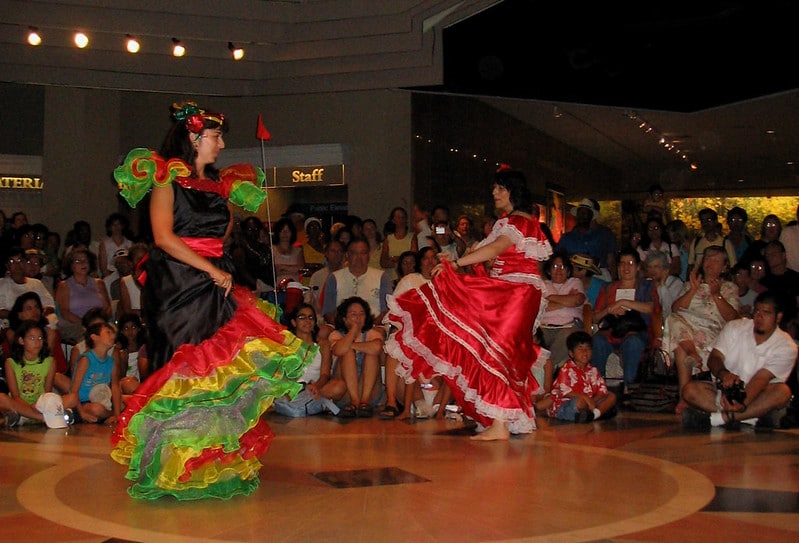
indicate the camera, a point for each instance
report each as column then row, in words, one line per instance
column 441, row 230
column 734, row 393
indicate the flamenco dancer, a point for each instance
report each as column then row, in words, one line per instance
column 476, row 331
column 193, row 428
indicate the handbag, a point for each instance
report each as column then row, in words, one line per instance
column 629, row 322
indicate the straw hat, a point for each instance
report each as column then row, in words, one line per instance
column 584, row 261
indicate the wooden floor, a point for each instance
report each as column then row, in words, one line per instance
column 636, row 478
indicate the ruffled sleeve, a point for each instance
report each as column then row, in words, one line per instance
column 241, row 184
column 246, row 186
column 526, row 236
column 142, row 169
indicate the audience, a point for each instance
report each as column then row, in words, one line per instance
column 79, row 292
column 564, row 310
column 708, row 301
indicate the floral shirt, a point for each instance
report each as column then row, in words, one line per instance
column 571, row 378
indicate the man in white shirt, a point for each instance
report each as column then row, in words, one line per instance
column 16, row 283
column 357, row 279
column 754, row 354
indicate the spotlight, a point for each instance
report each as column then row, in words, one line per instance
column 237, row 52
column 132, row 44
column 81, row 40
column 34, row 38
column 177, row 48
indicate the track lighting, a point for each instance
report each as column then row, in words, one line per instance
column 34, row 38
column 178, row 50
column 81, row 40
column 132, row 44
column 237, row 52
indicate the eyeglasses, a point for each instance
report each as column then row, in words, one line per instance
column 756, row 267
column 304, row 317
column 708, row 219
column 81, row 261
column 558, row 267
column 735, row 219
column 629, row 262
column 770, row 224
column 15, row 260
column 653, row 228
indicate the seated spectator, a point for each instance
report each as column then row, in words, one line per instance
column 313, row 250
column 585, row 269
column 738, row 236
column 579, row 393
column 16, row 283
column 564, row 311
column 753, row 353
column 28, row 307
column 669, row 286
column 317, row 378
column 784, row 283
column 656, row 239
column 122, row 265
column 711, row 236
column 446, row 242
column 116, row 230
column 34, row 263
column 655, row 204
column 746, row 296
column 372, row 234
column 287, row 256
column 770, row 230
column 406, row 264
column 80, row 237
column 397, row 239
column 677, row 232
column 315, row 295
column 758, row 269
column 790, row 239
column 91, row 392
column 543, row 372
column 708, row 301
column 356, row 346
column 421, row 226
column 92, row 316
column 622, row 299
column 30, row 371
column 131, row 344
column 78, row 293
column 129, row 288
column 464, row 229
column 395, row 387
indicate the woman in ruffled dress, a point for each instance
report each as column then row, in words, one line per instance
column 194, row 429
column 476, row 331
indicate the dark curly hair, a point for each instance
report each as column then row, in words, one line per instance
column 343, row 307
column 520, row 196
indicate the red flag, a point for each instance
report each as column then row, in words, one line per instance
column 261, row 132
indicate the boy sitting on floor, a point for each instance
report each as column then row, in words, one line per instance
column 579, row 393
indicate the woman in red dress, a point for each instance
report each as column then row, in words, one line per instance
column 476, row 331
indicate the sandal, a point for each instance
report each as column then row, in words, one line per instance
column 348, row 412
column 364, row 411
column 389, row 412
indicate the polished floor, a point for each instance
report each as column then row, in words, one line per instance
column 636, row 478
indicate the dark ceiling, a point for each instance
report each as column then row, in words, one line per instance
column 680, row 56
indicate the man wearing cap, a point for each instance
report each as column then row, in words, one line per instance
column 711, row 235
column 586, row 270
column 591, row 238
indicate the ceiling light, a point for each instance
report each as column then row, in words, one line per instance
column 177, row 48
column 132, row 44
column 81, row 40
column 34, row 38
column 237, row 52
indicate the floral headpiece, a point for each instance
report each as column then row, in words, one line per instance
column 194, row 117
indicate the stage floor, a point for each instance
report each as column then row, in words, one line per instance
column 636, row 478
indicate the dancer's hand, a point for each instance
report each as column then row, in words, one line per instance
column 223, row 280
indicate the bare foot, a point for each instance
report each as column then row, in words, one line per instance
column 405, row 415
column 497, row 432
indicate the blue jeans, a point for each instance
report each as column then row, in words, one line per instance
column 632, row 348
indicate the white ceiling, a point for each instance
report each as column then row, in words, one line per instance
column 306, row 46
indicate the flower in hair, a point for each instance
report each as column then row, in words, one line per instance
column 194, row 117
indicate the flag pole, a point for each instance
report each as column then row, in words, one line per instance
column 260, row 132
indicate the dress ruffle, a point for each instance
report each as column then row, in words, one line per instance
column 486, row 361
column 193, row 429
